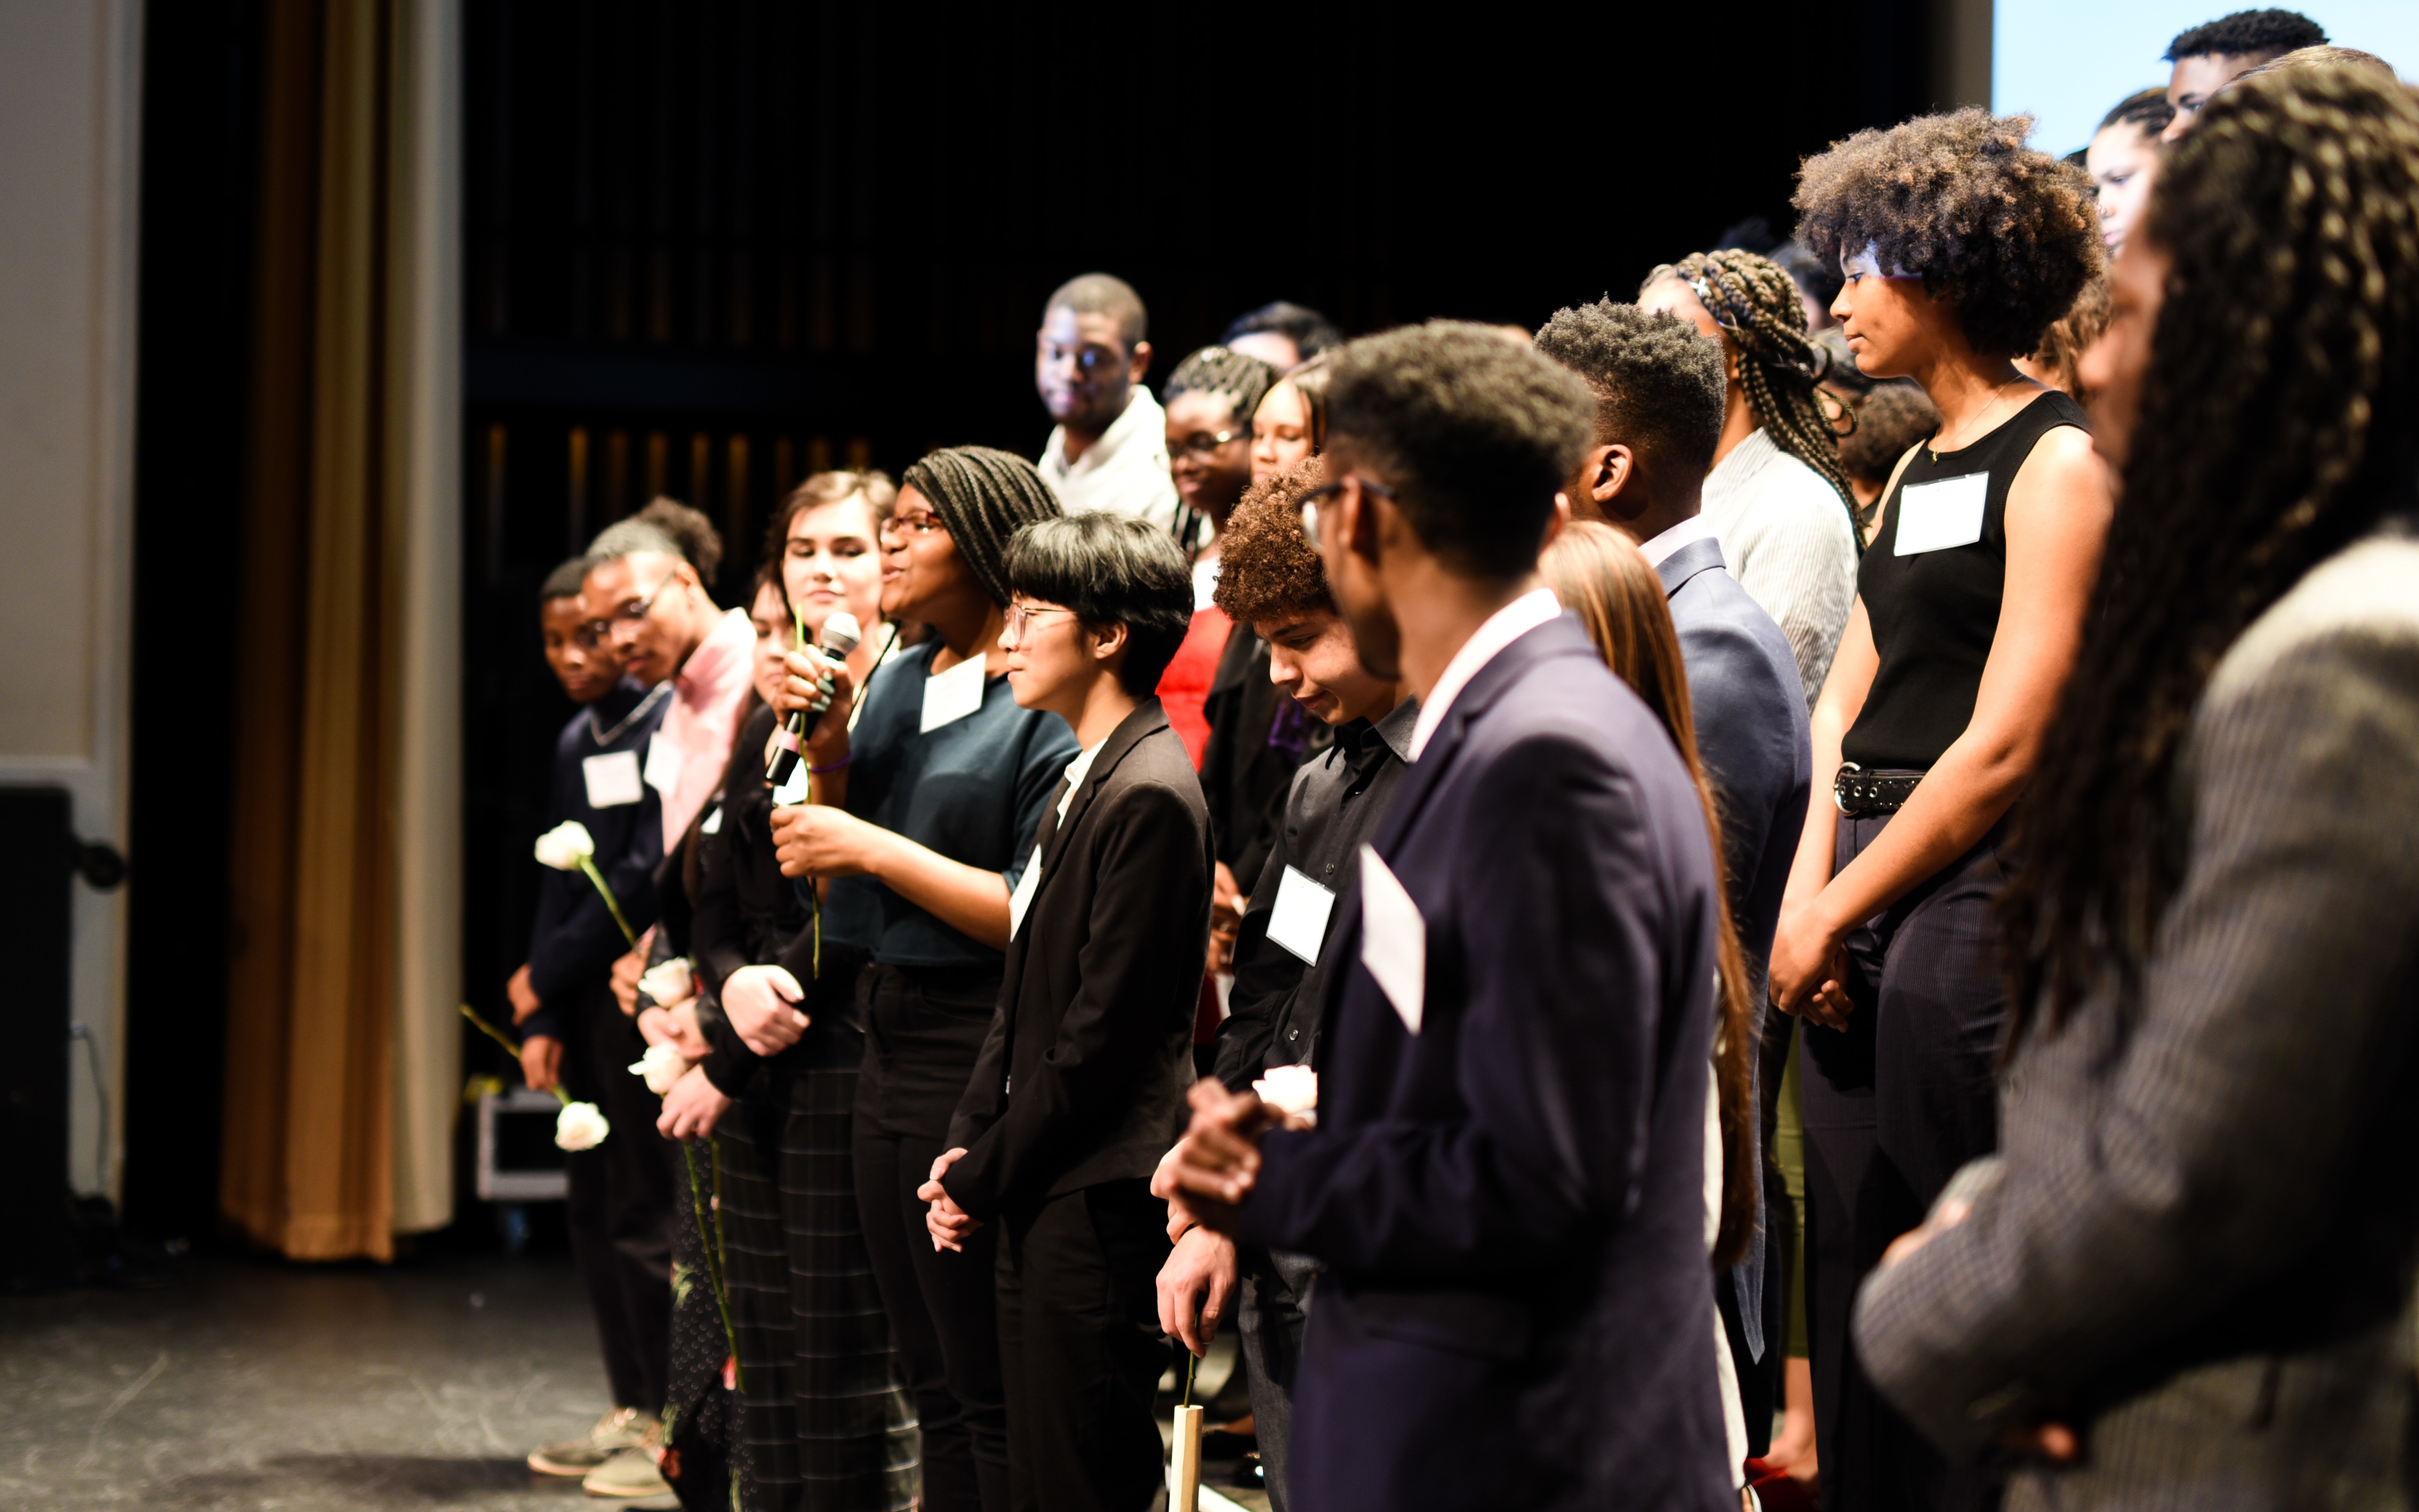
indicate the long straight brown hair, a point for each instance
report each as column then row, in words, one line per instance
column 1599, row 576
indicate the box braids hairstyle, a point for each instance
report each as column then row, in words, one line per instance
column 983, row 496
column 1755, row 302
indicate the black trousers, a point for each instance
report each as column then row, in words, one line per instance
column 1892, row 1105
column 1269, row 1323
column 619, row 1208
column 923, row 1031
column 1080, row 1349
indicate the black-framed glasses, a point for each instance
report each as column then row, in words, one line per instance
column 1204, row 443
column 1021, row 617
column 1308, row 503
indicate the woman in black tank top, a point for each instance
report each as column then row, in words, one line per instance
column 1970, row 607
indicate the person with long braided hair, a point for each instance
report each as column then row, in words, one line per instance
column 1776, row 498
column 1960, row 245
column 921, row 819
column 2195, row 1250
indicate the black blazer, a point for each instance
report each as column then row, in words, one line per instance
column 1083, row 1077
column 1517, row 1309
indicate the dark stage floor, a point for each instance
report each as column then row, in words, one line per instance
column 258, row 1387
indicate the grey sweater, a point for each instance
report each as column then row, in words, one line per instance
column 2196, row 1245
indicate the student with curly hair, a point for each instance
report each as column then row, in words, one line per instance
column 2194, row 1253
column 1776, row 497
column 1961, row 246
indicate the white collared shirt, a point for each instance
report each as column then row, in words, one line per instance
column 1077, row 770
column 1126, row 470
column 1687, row 532
column 1506, row 625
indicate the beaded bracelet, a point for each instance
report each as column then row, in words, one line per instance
column 834, row 766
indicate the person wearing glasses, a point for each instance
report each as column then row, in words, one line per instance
column 920, row 821
column 1211, row 397
column 1970, row 603
column 1110, row 449
column 1080, row 1084
column 1505, row 1184
column 573, row 1036
column 650, row 601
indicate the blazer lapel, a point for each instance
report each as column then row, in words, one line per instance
column 1698, row 556
column 1147, row 718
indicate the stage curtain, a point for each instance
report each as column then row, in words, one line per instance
column 341, row 1051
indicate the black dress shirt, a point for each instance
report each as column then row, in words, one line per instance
column 1334, row 807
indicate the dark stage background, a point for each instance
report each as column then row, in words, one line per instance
column 712, row 248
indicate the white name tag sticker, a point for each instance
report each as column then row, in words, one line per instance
column 663, row 764
column 1299, row 920
column 1021, row 899
column 793, row 787
column 950, row 696
column 1933, row 517
column 613, row 780
column 1393, row 939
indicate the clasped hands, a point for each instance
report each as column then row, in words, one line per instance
column 1810, row 965
column 1215, row 1165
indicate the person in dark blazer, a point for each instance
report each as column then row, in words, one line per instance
column 1660, row 392
column 573, row 1033
column 1079, row 1088
column 1505, row 1184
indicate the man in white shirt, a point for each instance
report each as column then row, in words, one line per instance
column 1110, row 449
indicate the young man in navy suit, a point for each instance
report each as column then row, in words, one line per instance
column 1659, row 389
column 1505, row 1185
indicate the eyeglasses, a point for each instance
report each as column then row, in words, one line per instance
column 1308, row 503
column 924, row 524
column 1021, row 617
column 632, row 614
column 1202, row 443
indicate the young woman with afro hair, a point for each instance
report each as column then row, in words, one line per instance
column 1959, row 246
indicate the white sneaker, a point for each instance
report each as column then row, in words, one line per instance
column 629, row 1473
column 622, row 1428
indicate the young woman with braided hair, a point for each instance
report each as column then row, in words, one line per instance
column 921, row 821
column 1960, row 245
column 2193, row 1252
column 1776, row 498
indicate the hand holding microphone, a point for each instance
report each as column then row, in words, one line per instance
column 840, row 636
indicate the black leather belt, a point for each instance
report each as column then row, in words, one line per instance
column 1859, row 792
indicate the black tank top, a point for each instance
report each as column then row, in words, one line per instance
column 1935, row 608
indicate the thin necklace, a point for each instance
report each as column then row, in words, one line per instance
column 1936, row 448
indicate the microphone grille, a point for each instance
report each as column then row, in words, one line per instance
column 840, row 634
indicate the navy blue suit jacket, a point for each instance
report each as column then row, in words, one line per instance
column 1752, row 735
column 1515, row 1309
column 574, row 941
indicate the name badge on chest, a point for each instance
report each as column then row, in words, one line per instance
column 663, row 764
column 950, row 696
column 1299, row 920
column 1933, row 517
column 1393, row 939
column 613, row 780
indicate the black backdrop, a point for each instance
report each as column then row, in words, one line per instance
column 712, row 248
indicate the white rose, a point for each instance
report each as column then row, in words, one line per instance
column 669, row 983
column 566, row 845
column 662, row 1065
column 579, row 1126
column 1292, row 1090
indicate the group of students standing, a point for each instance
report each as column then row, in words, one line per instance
column 1457, row 745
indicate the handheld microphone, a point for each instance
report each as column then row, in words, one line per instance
column 840, row 635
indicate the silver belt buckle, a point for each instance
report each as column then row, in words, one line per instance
column 1837, row 802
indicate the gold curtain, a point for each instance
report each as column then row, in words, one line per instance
column 333, row 674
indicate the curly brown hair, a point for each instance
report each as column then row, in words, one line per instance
column 1267, row 571
column 2274, row 430
column 2002, row 234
